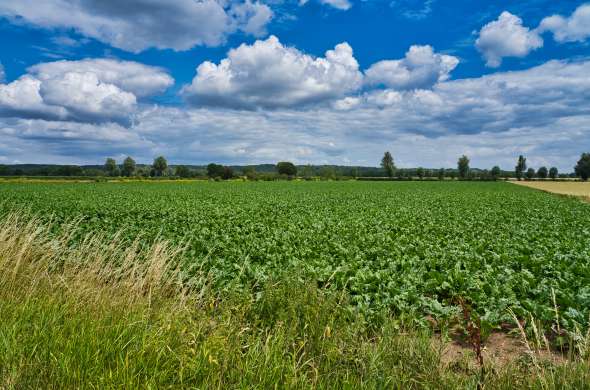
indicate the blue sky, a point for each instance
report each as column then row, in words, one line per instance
column 322, row 81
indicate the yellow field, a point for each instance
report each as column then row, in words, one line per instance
column 575, row 188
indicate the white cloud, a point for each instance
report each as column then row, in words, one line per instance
column 2, row 73
column 139, row 79
column 136, row 25
column 87, row 91
column 506, row 37
column 268, row 74
column 576, row 27
column 421, row 68
column 342, row 5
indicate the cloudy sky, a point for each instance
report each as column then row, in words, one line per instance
column 311, row 81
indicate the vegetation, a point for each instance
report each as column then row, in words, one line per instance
column 129, row 167
column 553, row 172
column 520, row 167
column 387, row 164
column 463, row 167
column 530, row 173
column 111, row 168
column 104, row 314
column 286, row 168
column 582, row 168
column 405, row 248
column 542, row 173
column 160, row 165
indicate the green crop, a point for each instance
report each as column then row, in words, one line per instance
column 406, row 248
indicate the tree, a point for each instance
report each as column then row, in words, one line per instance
column 553, row 172
column 250, row 173
column 463, row 166
column 495, row 172
column 128, row 167
column 182, row 171
column 160, row 165
column 542, row 173
column 420, row 172
column 227, row 174
column 530, row 173
column 110, row 166
column 387, row 164
column 308, row 172
column 520, row 167
column 214, row 170
column 286, row 168
column 582, row 168
column 441, row 174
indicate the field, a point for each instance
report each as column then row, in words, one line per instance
column 574, row 188
column 358, row 259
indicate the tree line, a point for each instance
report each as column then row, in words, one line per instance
column 287, row 170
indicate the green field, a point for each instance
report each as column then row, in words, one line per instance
column 410, row 249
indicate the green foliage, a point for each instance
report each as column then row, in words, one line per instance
column 160, row 166
column 582, row 168
column 407, row 248
column 110, row 166
column 387, row 164
column 553, row 172
column 128, row 167
column 530, row 173
column 286, row 168
column 182, row 171
column 214, row 170
column 495, row 172
column 520, row 167
column 463, row 167
column 542, row 173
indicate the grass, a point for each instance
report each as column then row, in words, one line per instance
column 107, row 314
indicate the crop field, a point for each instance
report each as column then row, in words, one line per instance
column 574, row 188
column 410, row 249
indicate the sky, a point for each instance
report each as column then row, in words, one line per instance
column 309, row 81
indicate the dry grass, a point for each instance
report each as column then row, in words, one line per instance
column 573, row 188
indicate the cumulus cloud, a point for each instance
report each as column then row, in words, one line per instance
column 268, row 74
column 420, row 68
column 342, row 5
column 576, row 27
column 2, row 73
column 506, row 37
column 86, row 91
column 135, row 25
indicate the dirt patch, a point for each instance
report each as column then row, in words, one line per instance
column 499, row 350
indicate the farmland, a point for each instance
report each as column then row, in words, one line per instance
column 573, row 188
column 408, row 249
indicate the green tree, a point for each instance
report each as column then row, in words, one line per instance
column 128, row 167
column 387, row 164
column 542, row 173
column 582, row 168
column 441, row 174
column 463, row 166
column 160, row 165
column 553, row 172
column 520, row 167
column 250, row 173
column 110, row 166
column 214, row 170
column 328, row 173
column 308, row 172
column 182, row 171
column 420, row 173
column 530, row 173
column 228, row 173
column 286, row 168
column 495, row 172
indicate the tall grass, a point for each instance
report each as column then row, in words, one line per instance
column 99, row 313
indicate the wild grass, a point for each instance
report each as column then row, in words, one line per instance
column 99, row 313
